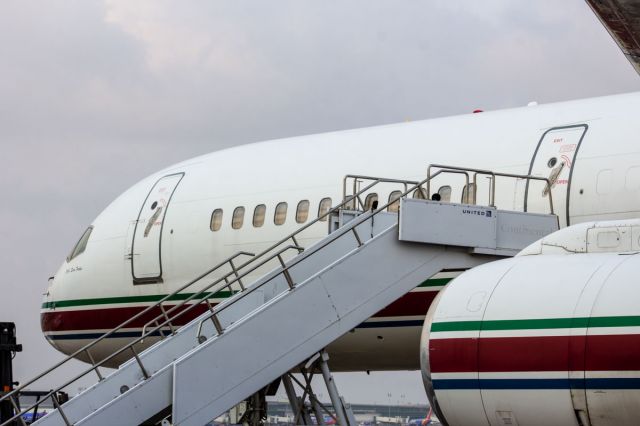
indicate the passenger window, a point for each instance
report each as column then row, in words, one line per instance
column 302, row 212
column 419, row 194
column 323, row 208
column 395, row 197
column 216, row 220
column 81, row 245
column 368, row 202
column 281, row 213
column 238, row 218
column 445, row 193
column 469, row 194
column 258, row 215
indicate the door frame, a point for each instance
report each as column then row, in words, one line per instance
column 585, row 128
column 158, row 278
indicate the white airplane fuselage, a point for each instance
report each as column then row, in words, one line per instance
column 159, row 234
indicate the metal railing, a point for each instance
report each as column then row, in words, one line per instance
column 470, row 177
column 493, row 175
column 86, row 350
column 353, row 225
column 360, row 178
column 164, row 316
column 316, row 248
column 236, row 275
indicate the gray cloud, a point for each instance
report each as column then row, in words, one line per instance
column 96, row 95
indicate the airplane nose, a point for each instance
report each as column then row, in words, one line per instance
column 50, row 321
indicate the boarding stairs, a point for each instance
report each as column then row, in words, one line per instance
column 369, row 259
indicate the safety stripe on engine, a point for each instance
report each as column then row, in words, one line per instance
column 538, row 324
column 541, row 353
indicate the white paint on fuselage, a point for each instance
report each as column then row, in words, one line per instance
column 312, row 167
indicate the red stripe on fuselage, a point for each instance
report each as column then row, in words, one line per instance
column 411, row 304
column 109, row 318
column 540, row 353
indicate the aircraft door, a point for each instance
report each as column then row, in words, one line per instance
column 146, row 245
column 554, row 158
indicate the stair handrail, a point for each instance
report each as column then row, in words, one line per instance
column 129, row 346
column 493, row 175
column 346, row 202
column 352, row 225
column 243, row 292
column 227, row 285
column 89, row 345
column 321, row 218
column 315, row 249
column 359, row 178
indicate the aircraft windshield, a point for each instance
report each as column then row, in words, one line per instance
column 81, row 245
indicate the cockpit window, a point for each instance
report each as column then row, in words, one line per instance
column 81, row 245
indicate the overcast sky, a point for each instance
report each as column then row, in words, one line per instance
column 95, row 95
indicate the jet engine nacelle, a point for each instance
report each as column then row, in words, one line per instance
column 542, row 338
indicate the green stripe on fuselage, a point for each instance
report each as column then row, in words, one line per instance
column 131, row 299
column 434, row 282
column 536, row 324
